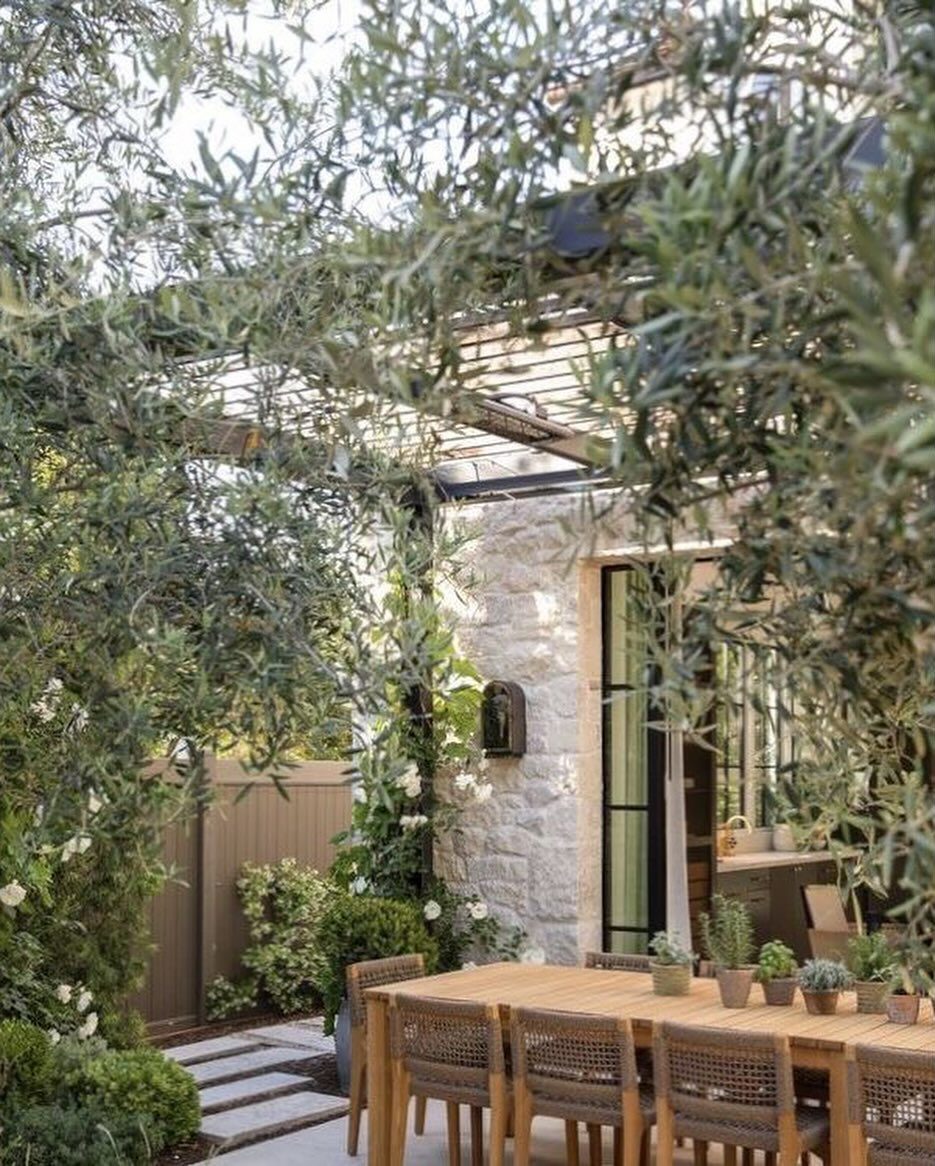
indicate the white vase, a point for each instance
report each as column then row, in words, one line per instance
column 783, row 838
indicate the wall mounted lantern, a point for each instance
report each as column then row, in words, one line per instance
column 503, row 719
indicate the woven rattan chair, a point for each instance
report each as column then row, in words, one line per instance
column 616, row 962
column 892, row 1095
column 452, row 1050
column 714, row 1085
column 579, row 1068
column 360, row 976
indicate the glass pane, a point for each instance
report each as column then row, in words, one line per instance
column 629, row 942
column 628, row 838
column 627, row 749
column 627, row 628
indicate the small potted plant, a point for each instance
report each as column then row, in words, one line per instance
column 671, row 964
column 871, row 961
column 727, row 937
column 822, row 982
column 905, row 995
column 776, row 972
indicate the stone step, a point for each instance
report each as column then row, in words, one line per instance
column 267, row 1119
column 210, row 1050
column 245, row 1064
column 299, row 1034
column 232, row 1093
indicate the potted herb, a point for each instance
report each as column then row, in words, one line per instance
column 871, row 961
column 776, row 972
column 671, row 964
column 727, row 937
column 822, row 982
column 902, row 1002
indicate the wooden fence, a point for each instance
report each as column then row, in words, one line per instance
column 197, row 925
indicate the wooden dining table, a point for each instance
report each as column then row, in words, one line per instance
column 816, row 1042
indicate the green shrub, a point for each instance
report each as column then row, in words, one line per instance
column 824, row 976
column 283, row 904
column 870, row 958
column 123, row 1028
column 49, row 1135
column 777, row 962
column 141, row 1081
column 361, row 927
column 25, row 1064
column 727, row 933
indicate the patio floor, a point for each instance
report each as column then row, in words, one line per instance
column 323, row 1145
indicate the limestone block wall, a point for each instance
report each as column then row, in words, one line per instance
column 533, row 851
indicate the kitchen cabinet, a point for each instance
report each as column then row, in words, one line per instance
column 774, row 897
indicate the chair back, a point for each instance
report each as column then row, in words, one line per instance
column 575, row 1066
column 373, row 973
column 892, row 1096
column 824, row 908
column 715, row 1080
column 616, row 961
column 450, row 1048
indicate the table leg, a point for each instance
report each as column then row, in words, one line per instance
column 379, row 1084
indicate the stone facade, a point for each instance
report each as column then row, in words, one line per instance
column 534, row 850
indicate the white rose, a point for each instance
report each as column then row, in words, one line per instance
column 410, row 782
column 12, row 894
column 412, row 821
column 360, row 794
column 54, row 1035
column 89, row 1028
column 431, row 910
column 359, row 885
column 483, row 791
column 464, row 781
column 83, row 1001
column 63, row 993
column 477, row 910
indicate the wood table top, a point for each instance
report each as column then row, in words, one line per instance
column 630, row 994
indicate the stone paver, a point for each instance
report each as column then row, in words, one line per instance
column 249, row 1089
column 243, row 1064
column 299, row 1035
column 266, row 1118
column 209, row 1050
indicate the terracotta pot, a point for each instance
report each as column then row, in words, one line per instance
column 871, row 995
column 779, row 991
column 902, row 1009
column 735, row 984
column 671, row 979
column 820, row 1003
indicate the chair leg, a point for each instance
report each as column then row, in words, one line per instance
column 746, row 1156
column 700, row 1153
column 358, row 1083
column 595, row 1154
column 453, row 1116
column 500, row 1109
column 645, row 1145
column 399, row 1115
column 522, row 1126
column 477, row 1136
column 420, row 1116
column 571, row 1144
column 730, row 1156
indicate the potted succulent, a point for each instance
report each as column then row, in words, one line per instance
column 671, row 964
column 727, row 937
column 905, row 995
column 776, row 972
column 871, row 961
column 822, row 982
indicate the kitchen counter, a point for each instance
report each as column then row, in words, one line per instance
column 755, row 859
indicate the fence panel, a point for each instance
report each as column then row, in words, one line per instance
column 197, row 925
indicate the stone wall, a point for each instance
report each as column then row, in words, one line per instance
column 533, row 852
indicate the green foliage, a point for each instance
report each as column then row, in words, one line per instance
column 25, row 1064
column 667, row 948
column 362, row 927
column 870, row 957
column 824, row 976
column 777, row 962
column 141, row 1082
column 283, row 904
column 53, row 1135
column 727, row 932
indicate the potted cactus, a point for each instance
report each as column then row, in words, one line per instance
column 822, row 982
column 871, row 961
column 671, row 964
column 727, row 937
column 776, row 972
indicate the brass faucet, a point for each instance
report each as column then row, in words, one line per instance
column 725, row 834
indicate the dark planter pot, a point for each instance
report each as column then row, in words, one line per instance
column 820, row 1003
column 902, row 1009
column 780, row 991
column 342, row 1046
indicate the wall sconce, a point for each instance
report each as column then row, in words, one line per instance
column 503, row 719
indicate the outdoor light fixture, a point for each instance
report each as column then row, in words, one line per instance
column 503, row 719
